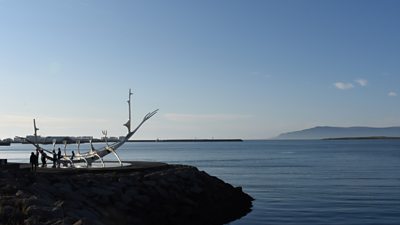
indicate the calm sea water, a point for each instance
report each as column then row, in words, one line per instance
column 293, row 182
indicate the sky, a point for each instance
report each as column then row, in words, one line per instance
column 215, row 69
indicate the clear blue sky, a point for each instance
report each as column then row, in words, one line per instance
column 222, row 69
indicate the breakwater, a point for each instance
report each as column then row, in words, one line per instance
column 189, row 140
column 141, row 194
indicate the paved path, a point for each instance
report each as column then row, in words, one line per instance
column 129, row 166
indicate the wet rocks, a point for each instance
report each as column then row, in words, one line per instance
column 174, row 194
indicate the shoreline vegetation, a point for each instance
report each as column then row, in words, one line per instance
column 144, row 193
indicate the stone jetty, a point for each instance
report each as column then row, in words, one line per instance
column 142, row 194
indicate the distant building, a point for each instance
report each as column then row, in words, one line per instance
column 8, row 140
column 84, row 139
column 58, row 139
column 111, row 139
column 19, row 140
column 33, row 138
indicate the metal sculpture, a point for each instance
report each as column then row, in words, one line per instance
column 93, row 154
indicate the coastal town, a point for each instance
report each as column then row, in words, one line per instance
column 56, row 139
column 60, row 139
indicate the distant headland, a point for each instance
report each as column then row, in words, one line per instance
column 326, row 132
column 364, row 138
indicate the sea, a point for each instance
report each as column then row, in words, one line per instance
column 293, row 182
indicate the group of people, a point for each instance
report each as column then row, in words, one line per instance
column 34, row 159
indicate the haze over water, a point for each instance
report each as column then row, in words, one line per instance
column 293, row 182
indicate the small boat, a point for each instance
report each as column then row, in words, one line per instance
column 91, row 155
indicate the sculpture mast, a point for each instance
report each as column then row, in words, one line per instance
column 128, row 124
column 35, row 131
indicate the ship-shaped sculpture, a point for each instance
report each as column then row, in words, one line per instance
column 92, row 155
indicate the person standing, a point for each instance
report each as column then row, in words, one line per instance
column 37, row 157
column 44, row 159
column 72, row 158
column 54, row 158
column 59, row 157
column 33, row 161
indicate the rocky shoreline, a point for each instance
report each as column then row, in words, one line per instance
column 166, row 194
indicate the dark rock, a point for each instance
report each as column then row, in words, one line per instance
column 79, row 222
column 57, row 212
column 9, row 189
column 7, row 211
column 149, row 182
column 30, row 201
column 39, row 211
column 21, row 194
column 33, row 220
column 70, row 220
column 172, row 194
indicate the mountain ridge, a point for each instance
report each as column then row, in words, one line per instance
column 324, row 132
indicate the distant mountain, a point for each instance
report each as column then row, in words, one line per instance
column 341, row 132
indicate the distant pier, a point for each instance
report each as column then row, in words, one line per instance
column 189, row 140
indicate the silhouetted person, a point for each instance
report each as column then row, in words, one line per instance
column 43, row 159
column 72, row 158
column 54, row 158
column 58, row 157
column 37, row 157
column 33, row 161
